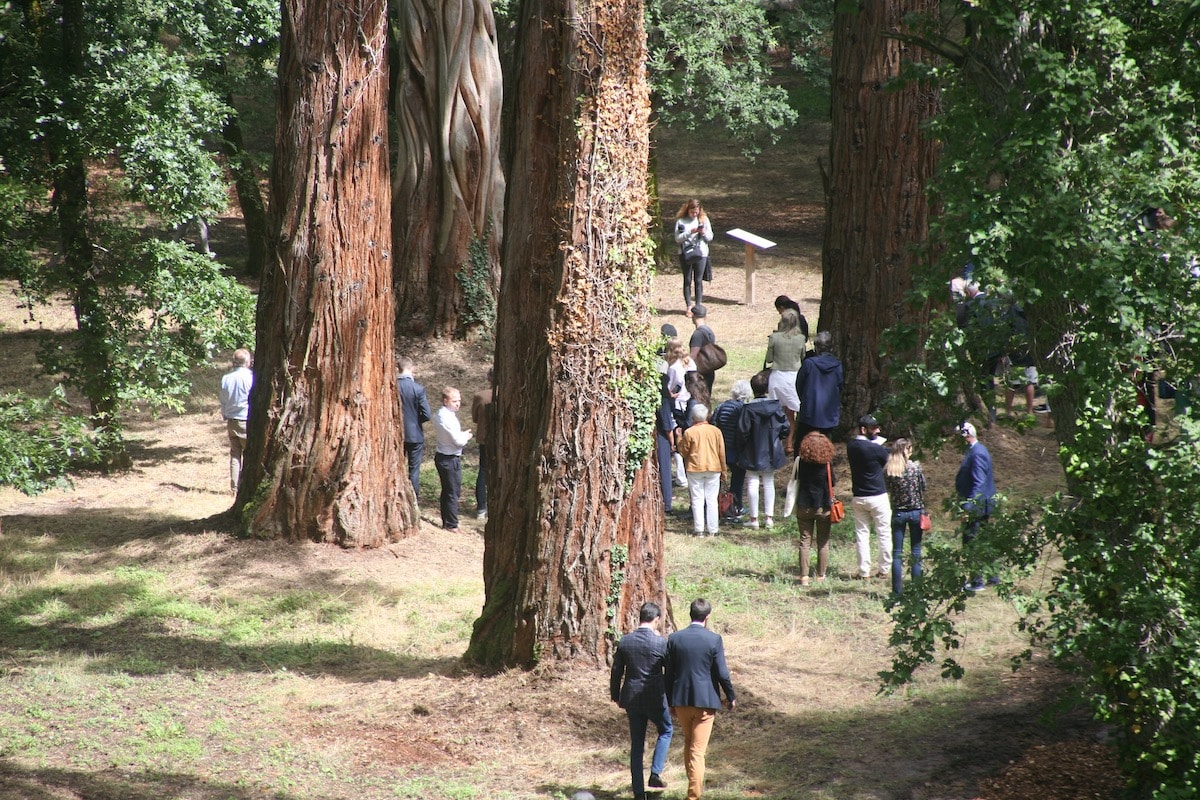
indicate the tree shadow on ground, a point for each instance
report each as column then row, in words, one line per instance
column 22, row 783
column 112, row 614
column 931, row 750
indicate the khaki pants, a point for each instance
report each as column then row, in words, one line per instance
column 236, row 428
column 697, row 725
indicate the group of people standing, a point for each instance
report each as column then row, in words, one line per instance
column 451, row 439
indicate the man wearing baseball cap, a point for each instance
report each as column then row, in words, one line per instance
column 976, row 487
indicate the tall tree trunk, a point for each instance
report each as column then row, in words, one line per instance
column 574, row 536
column 448, row 188
column 93, row 354
column 250, row 199
column 325, row 457
column 878, row 210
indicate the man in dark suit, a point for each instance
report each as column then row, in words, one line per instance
column 976, row 487
column 695, row 675
column 636, row 685
column 417, row 412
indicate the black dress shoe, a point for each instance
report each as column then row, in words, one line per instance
column 656, row 782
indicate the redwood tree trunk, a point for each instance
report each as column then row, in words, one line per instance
column 575, row 495
column 448, row 188
column 878, row 210
column 325, row 458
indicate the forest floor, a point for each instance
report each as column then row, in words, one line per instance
column 146, row 653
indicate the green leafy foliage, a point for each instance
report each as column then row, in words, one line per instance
column 711, row 63
column 105, row 123
column 1062, row 124
column 479, row 299
column 41, row 439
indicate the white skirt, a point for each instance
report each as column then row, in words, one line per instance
column 782, row 387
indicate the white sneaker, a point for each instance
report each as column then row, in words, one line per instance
column 751, row 523
column 770, row 522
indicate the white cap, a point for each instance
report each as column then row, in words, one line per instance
column 967, row 429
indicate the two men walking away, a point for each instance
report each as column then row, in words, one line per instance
column 685, row 672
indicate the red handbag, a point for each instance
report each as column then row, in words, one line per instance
column 837, row 511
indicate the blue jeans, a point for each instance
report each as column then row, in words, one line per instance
column 637, row 744
column 900, row 520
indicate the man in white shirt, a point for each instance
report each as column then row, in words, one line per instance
column 235, row 408
column 451, row 439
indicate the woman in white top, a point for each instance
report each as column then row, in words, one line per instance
column 693, row 230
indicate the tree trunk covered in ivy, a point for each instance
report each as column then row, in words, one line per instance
column 448, row 189
column 574, row 537
column 325, row 459
column 878, row 211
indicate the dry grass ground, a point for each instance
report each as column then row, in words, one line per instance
column 145, row 653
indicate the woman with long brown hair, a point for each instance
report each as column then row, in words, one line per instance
column 693, row 232
column 814, row 482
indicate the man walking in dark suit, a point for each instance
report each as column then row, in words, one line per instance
column 640, row 659
column 695, row 675
column 415, row 404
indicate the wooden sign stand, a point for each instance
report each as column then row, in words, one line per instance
column 752, row 243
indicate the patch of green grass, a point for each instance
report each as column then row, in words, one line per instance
column 423, row 788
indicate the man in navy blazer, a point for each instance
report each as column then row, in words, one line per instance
column 696, row 674
column 415, row 404
column 636, row 685
column 976, row 487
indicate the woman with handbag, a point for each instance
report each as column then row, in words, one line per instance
column 693, row 232
column 906, row 491
column 814, row 501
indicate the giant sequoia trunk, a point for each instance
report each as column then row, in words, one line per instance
column 448, row 189
column 878, row 211
column 574, row 537
column 325, row 460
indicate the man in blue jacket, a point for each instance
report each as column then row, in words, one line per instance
column 976, row 487
column 819, row 387
column 636, row 685
column 696, row 674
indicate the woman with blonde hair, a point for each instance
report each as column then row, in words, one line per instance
column 785, row 351
column 814, row 482
column 906, row 491
column 693, row 232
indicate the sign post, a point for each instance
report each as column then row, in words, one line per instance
column 752, row 244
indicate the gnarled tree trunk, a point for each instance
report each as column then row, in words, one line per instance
column 574, row 535
column 325, row 460
column 448, row 189
column 878, row 210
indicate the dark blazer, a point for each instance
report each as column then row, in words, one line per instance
column 696, row 671
column 636, row 680
column 975, row 482
column 416, row 408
